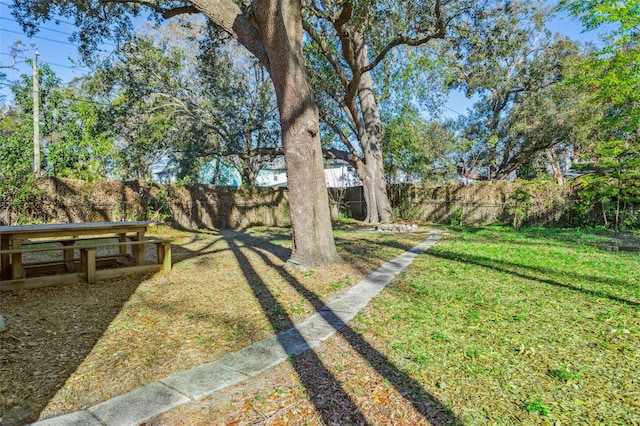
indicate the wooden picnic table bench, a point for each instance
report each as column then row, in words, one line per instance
column 18, row 241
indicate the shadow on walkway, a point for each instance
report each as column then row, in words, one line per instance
column 320, row 378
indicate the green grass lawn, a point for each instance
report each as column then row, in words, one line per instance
column 527, row 327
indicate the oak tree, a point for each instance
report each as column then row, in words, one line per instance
column 350, row 42
column 272, row 31
column 513, row 66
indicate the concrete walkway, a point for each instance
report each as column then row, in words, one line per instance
column 141, row 405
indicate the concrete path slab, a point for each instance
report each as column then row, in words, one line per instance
column 287, row 343
column 252, row 360
column 138, row 406
column 141, row 405
column 203, row 380
column 318, row 328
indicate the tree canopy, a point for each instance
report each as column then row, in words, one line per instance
column 513, row 65
column 612, row 76
column 272, row 31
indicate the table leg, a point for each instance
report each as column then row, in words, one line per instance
column 68, row 256
column 137, row 250
column 88, row 262
column 17, row 271
column 4, row 258
column 164, row 255
column 123, row 239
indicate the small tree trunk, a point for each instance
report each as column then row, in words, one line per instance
column 623, row 214
column 617, row 224
column 378, row 205
column 555, row 164
column 216, row 172
column 248, row 175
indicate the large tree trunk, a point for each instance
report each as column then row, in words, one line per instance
column 280, row 24
column 272, row 31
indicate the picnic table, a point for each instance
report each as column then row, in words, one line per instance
column 87, row 238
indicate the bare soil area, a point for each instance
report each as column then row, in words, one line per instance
column 70, row 347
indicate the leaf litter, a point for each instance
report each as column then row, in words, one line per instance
column 71, row 347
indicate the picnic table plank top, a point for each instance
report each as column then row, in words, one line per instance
column 83, row 227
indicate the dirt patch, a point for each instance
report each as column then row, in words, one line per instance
column 70, row 347
column 50, row 331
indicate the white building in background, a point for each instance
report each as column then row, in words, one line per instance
column 340, row 174
column 337, row 173
column 273, row 174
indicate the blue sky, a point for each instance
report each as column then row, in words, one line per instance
column 52, row 43
column 54, row 47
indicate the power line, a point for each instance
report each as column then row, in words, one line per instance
column 45, row 62
column 13, row 56
column 41, row 29
column 38, row 37
column 66, row 66
column 56, row 20
column 72, row 98
column 452, row 110
column 51, row 40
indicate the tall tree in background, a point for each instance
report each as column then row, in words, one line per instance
column 350, row 40
column 248, row 124
column 417, row 148
column 272, row 31
column 217, row 102
column 513, row 65
column 16, row 162
column 613, row 72
column 146, row 87
column 75, row 144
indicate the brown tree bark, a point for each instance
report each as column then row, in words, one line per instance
column 280, row 24
column 272, row 31
column 378, row 205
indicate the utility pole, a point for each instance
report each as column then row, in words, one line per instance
column 36, row 119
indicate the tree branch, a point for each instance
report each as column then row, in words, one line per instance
column 408, row 41
column 223, row 13
column 351, row 155
column 165, row 12
column 324, row 49
column 337, row 154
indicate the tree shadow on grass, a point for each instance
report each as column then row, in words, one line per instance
column 341, row 409
column 366, row 255
column 512, row 269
